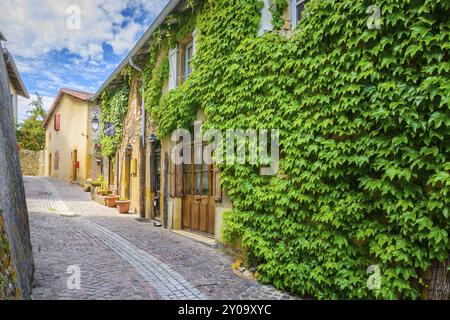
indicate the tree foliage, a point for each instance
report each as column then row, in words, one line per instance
column 30, row 134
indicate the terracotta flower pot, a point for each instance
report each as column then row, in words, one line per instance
column 124, row 206
column 111, row 201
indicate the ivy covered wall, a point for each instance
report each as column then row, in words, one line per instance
column 114, row 109
column 7, row 272
column 364, row 118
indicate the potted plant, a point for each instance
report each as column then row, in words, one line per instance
column 98, row 182
column 111, row 200
column 124, row 205
column 103, row 192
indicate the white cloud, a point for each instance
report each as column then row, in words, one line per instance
column 36, row 27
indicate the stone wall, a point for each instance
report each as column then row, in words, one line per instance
column 16, row 259
column 7, row 274
column 32, row 162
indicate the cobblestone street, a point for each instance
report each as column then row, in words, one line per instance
column 119, row 257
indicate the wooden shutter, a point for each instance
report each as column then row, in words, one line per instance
column 173, row 68
column 172, row 178
column 179, row 191
column 176, row 180
column 216, row 185
column 266, row 18
column 57, row 122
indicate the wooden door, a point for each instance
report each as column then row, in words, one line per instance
column 74, row 166
column 49, row 164
column 199, row 206
column 166, row 190
column 155, row 178
column 127, row 177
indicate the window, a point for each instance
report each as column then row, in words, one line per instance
column 188, row 54
column 57, row 122
column 298, row 6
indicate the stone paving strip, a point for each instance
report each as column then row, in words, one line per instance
column 52, row 199
column 169, row 284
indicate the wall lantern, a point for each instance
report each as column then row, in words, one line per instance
column 153, row 139
column 95, row 124
column 129, row 151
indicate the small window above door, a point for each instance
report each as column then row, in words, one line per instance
column 297, row 9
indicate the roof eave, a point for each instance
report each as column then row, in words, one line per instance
column 57, row 101
column 21, row 89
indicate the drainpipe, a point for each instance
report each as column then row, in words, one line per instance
column 141, row 151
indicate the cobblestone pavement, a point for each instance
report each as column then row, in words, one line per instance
column 119, row 257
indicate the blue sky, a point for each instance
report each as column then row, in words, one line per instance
column 72, row 43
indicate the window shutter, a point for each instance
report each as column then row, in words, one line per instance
column 216, row 185
column 194, row 41
column 57, row 122
column 266, row 18
column 293, row 13
column 173, row 68
column 172, row 174
column 176, row 180
column 179, row 181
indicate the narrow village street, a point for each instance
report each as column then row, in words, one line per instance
column 120, row 257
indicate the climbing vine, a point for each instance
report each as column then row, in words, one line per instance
column 277, row 9
column 364, row 121
column 156, row 72
column 7, row 272
column 114, row 110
